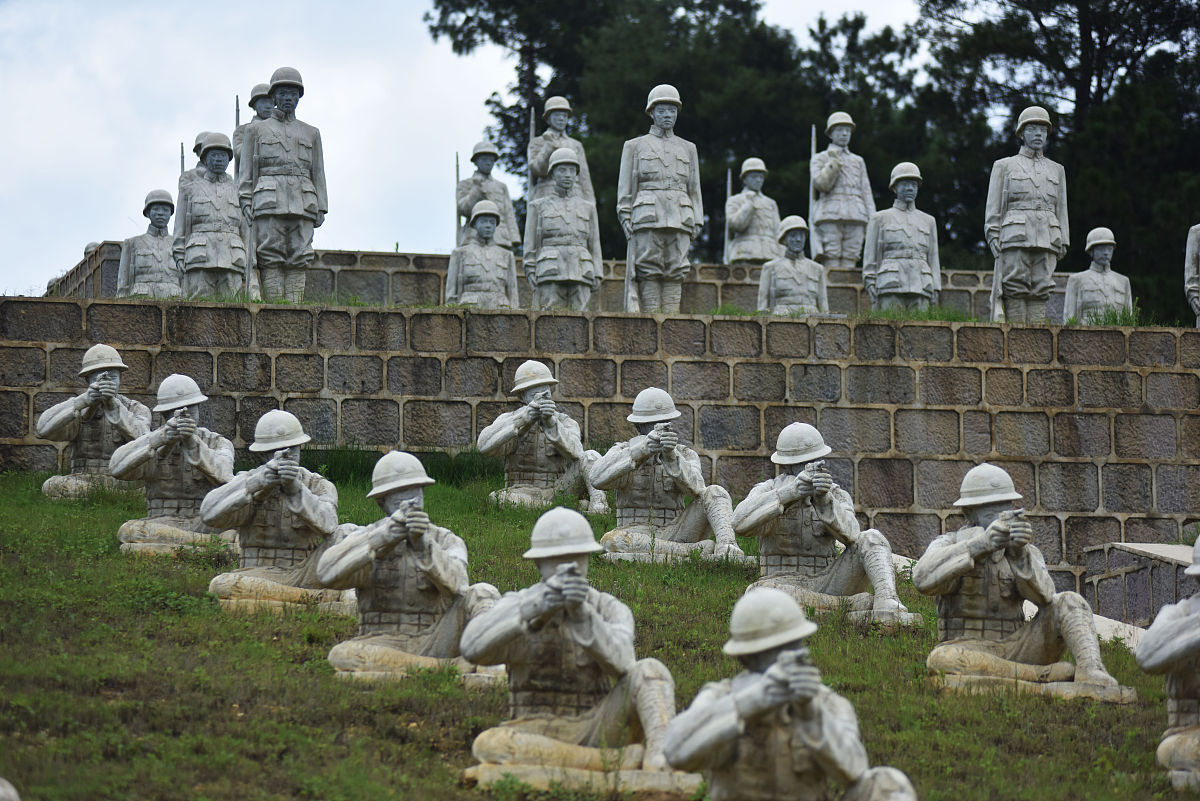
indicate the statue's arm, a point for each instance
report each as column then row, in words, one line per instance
column 832, row 734
column 318, row 173
column 61, row 421
column 453, row 279
column 214, row 459
column 612, row 470
column 683, row 465
column 836, row 510
column 249, row 171
column 1071, row 300
column 825, row 171
column 941, row 566
column 626, row 183
column 1191, row 268
column 871, row 254
column 467, row 193
column 703, row 735
column 758, row 509
column 864, row 188
column 563, row 434
column 1033, row 579
column 231, row 505
column 1063, row 222
column 994, row 210
column 125, row 271
column 739, row 211
column 539, row 156
column 594, row 243
column 498, row 439
column 585, row 176
column 129, row 462
column 487, row 637
column 510, row 222
column 443, row 558
column 510, row 274
column 315, row 503
column 694, row 189
column 1128, row 293
column 533, row 236
column 765, row 301
column 822, row 293
column 344, row 564
column 604, row 629
column 1173, row 637
column 935, row 259
column 182, row 224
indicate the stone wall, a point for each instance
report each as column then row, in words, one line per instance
column 1132, row 581
column 1098, row 426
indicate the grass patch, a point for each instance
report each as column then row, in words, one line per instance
column 120, row 678
column 731, row 310
column 933, row 313
column 1115, row 317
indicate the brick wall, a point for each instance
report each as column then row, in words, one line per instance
column 1098, row 427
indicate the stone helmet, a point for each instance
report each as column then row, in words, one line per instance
column 277, row 430
column 177, row 391
column 563, row 155
column 484, row 147
column 838, row 118
column 791, row 223
column 286, row 76
column 8, row 792
column 200, row 137
column 532, row 374
column 88, row 248
column 765, row 618
column 484, row 207
column 1194, row 568
column 663, row 93
column 905, row 169
column 753, row 164
column 561, row 532
column 1033, row 114
column 799, row 443
column 157, row 196
column 652, row 405
column 1099, row 236
column 218, row 141
column 556, row 103
column 986, row 483
column 101, row 357
column 260, row 91
column 397, row 470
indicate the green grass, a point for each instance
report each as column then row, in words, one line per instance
column 121, row 679
column 933, row 313
column 731, row 310
column 1112, row 316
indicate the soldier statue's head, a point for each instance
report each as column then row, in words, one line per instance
column 199, row 143
column 1033, row 128
column 564, row 168
column 764, row 623
column 562, row 539
column 216, row 153
column 484, row 156
column 798, row 445
column 279, row 433
column 793, row 233
column 663, row 104
column 260, row 100
column 906, row 181
column 839, row 128
column 1193, row 569
column 286, row 89
column 179, row 391
column 754, row 174
column 158, row 207
column 533, row 380
column 102, row 362
column 986, row 491
column 485, row 217
column 557, row 113
column 651, row 407
column 399, row 480
column 1101, row 244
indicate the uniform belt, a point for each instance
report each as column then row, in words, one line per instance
column 1030, row 207
column 679, row 186
column 907, row 253
column 284, row 171
column 215, row 228
column 563, row 241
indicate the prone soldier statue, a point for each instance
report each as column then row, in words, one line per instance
column 752, row 219
column 147, row 267
column 557, row 114
column 901, row 268
column 792, row 283
column 482, row 186
column 209, row 247
column 841, row 197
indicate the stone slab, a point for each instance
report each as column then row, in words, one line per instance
column 1179, row 554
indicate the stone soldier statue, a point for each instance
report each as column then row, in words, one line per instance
column 901, row 268
column 659, row 206
column 282, row 190
column 653, row 475
column 94, row 424
column 982, row 574
column 752, row 219
column 792, row 283
column 842, row 200
column 482, row 186
column 575, row 684
column 557, row 113
column 1172, row 646
column 264, row 107
column 410, row 576
column 190, row 175
column 540, row 446
column 1191, row 271
column 180, row 461
column 799, row 518
column 147, row 267
column 1099, row 287
column 209, row 248
column 482, row 272
column 562, row 241
column 775, row 732
column 1026, row 223
column 284, row 515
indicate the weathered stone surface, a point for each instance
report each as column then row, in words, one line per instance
column 219, row 414
column 884, row 483
column 24, row 367
column 498, row 332
column 1022, row 433
column 370, row 422
column 1172, row 391
column 1145, row 436
column 1064, row 580
column 1142, row 529
column 318, row 285
column 637, row 374
column 588, row 377
column 667, row 784
column 730, row 428
column 908, row 534
column 436, row 333
column 1162, row 584
column 1077, row 346
column 1153, row 348
column 606, row 423
column 625, row 335
column 938, row 482
column 1189, row 349
column 1126, row 487
column 759, row 382
column 699, row 380
column 735, row 338
column 776, row 418
column 844, row 299
column 1047, row 536
column 950, row 386
column 317, row 415
column 243, row 372
column 1023, row 476
column 856, row 431
column 1084, row 532
column 816, row 383
column 250, row 408
column 1178, row 488
column 414, row 375
column 1030, row 346
column 386, row 330
column 1081, row 435
column 831, row 341
column 742, row 296
column 980, row 344
column 1138, row 600
column 695, row 299
column 439, row 424
column 786, row 340
column 416, row 289
column 1068, row 486
column 124, row 323
column 926, row 343
column 880, row 384
column 299, row 372
column 472, row 377
column 368, row 286
column 28, row 457
column 977, row 432
column 41, row 321
column 14, row 414
column 1111, row 388
column 739, row 474
column 683, row 337
column 195, row 363
column 874, row 342
column 207, row 326
column 920, row 432
column 1003, row 386
column 355, row 375
column 384, row 261
column 333, row 330
column 1050, row 388
column 283, row 328
column 559, row 333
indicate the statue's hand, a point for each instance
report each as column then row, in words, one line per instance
column 997, row 534
column 627, row 227
column 1020, row 534
column 545, row 408
column 108, row 390
column 288, row 471
column 317, row 223
column 822, row 482
column 186, row 427
column 669, row 440
column 801, row 486
column 417, row 523
column 803, row 681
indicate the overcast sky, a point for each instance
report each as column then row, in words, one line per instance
column 98, row 96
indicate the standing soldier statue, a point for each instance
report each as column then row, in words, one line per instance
column 1191, row 271
column 562, row 240
column 792, row 283
column 482, row 272
column 482, row 186
column 209, row 248
column 1026, row 223
column 842, row 200
column 752, row 219
column 659, row 206
column 147, row 267
column 264, row 106
column 557, row 114
column 282, row 190
column 900, row 262
column 1098, row 288
column 190, row 175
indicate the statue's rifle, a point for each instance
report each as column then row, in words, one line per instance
column 181, row 167
column 813, row 239
column 237, row 113
column 457, row 181
column 728, row 194
column 529, row 165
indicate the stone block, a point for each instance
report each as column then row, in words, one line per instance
column 951, row 386
column 430, row 263
column 1189, row 349
column 1153, row 348
column 741, row 296
column 1095, row 560
column 438, row 333
column 195, row 363
column 1127, row 487
column 1030, row 346
column 44, row 400
column 739, row 474
column 1084, row 532
column 698, row 298
column 1189, row 433
column 874, row 342
column 880, row 383
column 440, row 424
column 1110, row 597
column 736, row 338
column 219, row 414
column 627, row 335
column 1110, row 389
column 831, row 341
column 24, row 367
column 333, row 330
column 42, row 458
column 938, row 482
column 1022, row 433
column 759, row 382
column 1081, row 435
column 496, row 331
column 41, row 321
column 842, row 471
column 1154, row 529
column 637, row 374
column 926, row 343
column 385, row 261
column 1172, row 391
column 958, row 300
column 250, row 408
column 1178, row 488
column 486, row 413
column 818, row 383
column 909, row 534
column 474, row 377
column 1088, row 591
column 206, row 326
column 317, row 415
column 611, row 298
column 855, row 431
column 416, row 289
column 1047, row 536
column 735, row 428
column 699, row 381
column 980, row 344
column 299, row 372
column 386, row 330
column 923, row 432
column 370, row 422
column 560, row 333
column 1139, row 600
column 1079, row 346
column 414, row 375
column 884, row 483
column 1162, row 584
column 1145, row 436
column 776, row 418
column 355, row 375
column 1118, row 558
column 1067, row 487
column 14, row 414
column 318, row 285
column 124, row 323
column 243, row 372
column 337, row 258
column 786, row 340
column 590, row 378
column 1064, row 580
column 606, row 424
column 283, row 328
column 1050, row 388
column 843, row 299
column 683, row 337
column 1003, row 386
column 977, row 433
column 367, row 286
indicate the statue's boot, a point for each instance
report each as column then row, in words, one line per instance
column 597, row 498
column 1014, row 310
column 672, row 292
column 718, row 508
column 650, row 293
column 1078, row 630
column 505, row 745
column 1035, row 311
column 654, row 698
column 967, row 662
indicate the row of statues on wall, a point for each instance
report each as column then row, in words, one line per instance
column 566, row 649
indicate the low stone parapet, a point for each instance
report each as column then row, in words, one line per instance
column 1131, row 581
